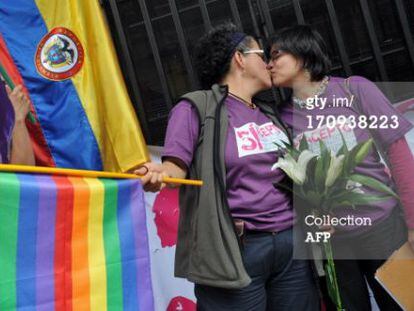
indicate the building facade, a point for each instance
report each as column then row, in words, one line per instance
column 155, row 41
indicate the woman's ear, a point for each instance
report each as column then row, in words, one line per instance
column 239, row 60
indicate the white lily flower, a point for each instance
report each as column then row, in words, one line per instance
column 334, row 170
column 295, row 170
column 354, row 187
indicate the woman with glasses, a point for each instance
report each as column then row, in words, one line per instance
column 235, row 232
column 336, row 110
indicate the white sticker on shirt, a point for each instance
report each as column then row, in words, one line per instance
column 330, row 136
column 254, row 139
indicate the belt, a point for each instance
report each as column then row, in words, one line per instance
column 241, row 230
column 256, row 232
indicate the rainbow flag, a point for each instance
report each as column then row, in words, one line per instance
column 72, row 243
column 61, row 51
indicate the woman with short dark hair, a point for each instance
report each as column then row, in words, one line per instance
column 336, row 110
column 235, row 238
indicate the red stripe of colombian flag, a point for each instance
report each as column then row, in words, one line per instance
column 41, row 149
column 69, row 243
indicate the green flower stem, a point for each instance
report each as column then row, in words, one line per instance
column 332, row 280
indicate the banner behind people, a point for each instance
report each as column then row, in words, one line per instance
column 170, row 293
column 62, row 53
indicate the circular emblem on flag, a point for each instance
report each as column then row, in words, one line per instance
column 59, row 55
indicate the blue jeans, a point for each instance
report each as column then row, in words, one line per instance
column 278, row 281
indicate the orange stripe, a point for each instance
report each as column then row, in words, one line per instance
column 80, row 263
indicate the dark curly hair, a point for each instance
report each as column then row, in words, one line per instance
column 306, row 44
column 214, row 51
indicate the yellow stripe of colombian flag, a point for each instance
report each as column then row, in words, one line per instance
column 99, row 83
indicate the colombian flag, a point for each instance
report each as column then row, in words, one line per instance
column 73, row 243
column 61, row 51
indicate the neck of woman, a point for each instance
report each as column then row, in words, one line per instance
column 303, row 87
column 240, row 88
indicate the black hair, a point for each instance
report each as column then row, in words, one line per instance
column 214, row 51
column 306, row 44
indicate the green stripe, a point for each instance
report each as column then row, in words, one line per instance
column 9, row 214
column 112, row 247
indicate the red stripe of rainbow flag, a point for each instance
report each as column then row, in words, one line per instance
column 73, row 243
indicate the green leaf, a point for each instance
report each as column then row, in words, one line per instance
column 291, row 150
column 362, row 153
column 356, row 156
column 344, row 149
column 341, row 151
column 309, row 183
column 314, row 199
column 353, row 198
column 322, row 166
column 373, row 183
column 303, row 144
column 323, row 148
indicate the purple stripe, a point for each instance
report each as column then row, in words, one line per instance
column 45, row 244
column 145, row 293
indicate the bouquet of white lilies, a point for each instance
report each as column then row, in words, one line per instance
column 328, row 181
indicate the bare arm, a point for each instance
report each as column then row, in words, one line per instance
column 153, row 173
column 21, row 148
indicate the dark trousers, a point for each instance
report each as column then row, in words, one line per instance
column 367, row 252
column 278, row 281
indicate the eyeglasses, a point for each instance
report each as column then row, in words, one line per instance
column 258, row 52
column 276, row 54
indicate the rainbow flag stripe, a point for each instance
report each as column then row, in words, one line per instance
column 72, row 243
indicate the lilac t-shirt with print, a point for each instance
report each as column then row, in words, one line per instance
column 249, row 155
column 389, row 127
column 6, row 124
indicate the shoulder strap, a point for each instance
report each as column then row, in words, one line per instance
column 205, row 107
column 198, row 100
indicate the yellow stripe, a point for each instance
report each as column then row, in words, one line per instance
column 99, row 83
column 96, row 252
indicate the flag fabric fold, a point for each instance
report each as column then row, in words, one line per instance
column 61, row 51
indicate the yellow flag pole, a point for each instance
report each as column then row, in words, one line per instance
column 87, row 173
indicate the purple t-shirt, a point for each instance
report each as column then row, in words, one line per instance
column 388, row 125
column 6, row 124
column 249, row 155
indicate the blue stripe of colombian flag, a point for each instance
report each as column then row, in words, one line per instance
column 58, row 106
column 26, row 247
column 127, row 245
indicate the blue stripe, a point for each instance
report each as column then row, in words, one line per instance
column 63, row 120
column 127, row 244
column 26, row 242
